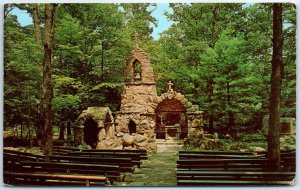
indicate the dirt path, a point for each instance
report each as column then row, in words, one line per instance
column 158, row 170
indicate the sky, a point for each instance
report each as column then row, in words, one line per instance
column 163, row 23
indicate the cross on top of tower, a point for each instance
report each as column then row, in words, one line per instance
column 136, row 39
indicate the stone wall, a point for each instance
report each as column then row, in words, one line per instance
column 195, row 121
column 137, row 98
column 144, row 138
column 144, row 122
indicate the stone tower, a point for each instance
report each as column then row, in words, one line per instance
column 137, row 111
column 139, row 83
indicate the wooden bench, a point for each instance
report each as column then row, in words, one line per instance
column 223, row 164
column 15, row 161
column 136, row 158
column 288, row 160
column 143, row 153
column 214, row 156
column 21, row 178
column 230, row 183
column 11, row 161
column 216, row 153
column 62, row 148
column 231, row 175
column 110, row 171
column 23, row 154
column 126, row 164
column 228, row 168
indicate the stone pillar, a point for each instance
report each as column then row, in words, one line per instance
column 78, row 134
column 195, row 121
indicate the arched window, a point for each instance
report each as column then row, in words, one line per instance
column 131, row 127
column 137, row 71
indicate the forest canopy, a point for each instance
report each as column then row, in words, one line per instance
column 218, row 55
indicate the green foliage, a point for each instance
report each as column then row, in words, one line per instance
column 217, row 55
column 22, row 74
column 66, row 101
column 104, row 95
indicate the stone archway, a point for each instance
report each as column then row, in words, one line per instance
column 171, row 119
column 91, row 132
column 94, row 125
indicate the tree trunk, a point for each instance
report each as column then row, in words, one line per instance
column 36, row 22
column 276, row 79
column 47, row 80
column 40, row 126
column 37, row 31
column 231, row 120
column 102, row 62
column 69, row 131
column 62, row 132
column 211, row 116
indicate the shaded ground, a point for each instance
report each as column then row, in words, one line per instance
column 158, row 170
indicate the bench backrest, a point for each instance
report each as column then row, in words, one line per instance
column 212, row 156
column 215, row 152
column 31, row 178
column 222, row 164
column 142, row 152
column 134, row 156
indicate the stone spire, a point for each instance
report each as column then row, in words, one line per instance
column 136, row 39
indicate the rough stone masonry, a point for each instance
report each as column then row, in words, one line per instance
column 134, row 125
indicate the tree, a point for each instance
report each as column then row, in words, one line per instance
column 276, row 80
column 66, row 102
column 138, row 17
column 22, row 76
column 47, row 80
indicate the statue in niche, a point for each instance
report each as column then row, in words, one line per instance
column 137, row 71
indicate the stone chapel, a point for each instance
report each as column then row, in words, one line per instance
column 144, row 116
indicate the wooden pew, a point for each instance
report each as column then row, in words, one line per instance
column 232, row 175
column 231, row 183
column 213, row 178
column 223, row 164
column 110, row 171
column 62, row 148
column 136, row 158
column 288, row 158
column 143, row 153
column 15, row 160
column 216, row 152
column 229, row 168
column 23, row 155
column 126, row 164
column 43, row 179
column 11, row 161
column 214, row 156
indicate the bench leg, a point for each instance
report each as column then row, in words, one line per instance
column 87, row 182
